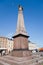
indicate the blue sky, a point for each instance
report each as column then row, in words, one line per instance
column 33, row 18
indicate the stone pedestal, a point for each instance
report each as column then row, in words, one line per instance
column 20, row 47
column 21, row 53
column 20, row 42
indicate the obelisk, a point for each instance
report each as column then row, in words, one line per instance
column 20, row 47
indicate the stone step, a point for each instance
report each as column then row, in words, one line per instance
column 8, row 59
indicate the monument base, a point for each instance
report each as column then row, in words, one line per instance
column 21, row 53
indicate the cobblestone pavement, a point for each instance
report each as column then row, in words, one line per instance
column 35, row 59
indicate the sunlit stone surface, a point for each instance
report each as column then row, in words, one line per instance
column 20, row 38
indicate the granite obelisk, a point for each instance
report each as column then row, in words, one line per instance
column 20, row 48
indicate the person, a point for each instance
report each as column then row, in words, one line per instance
column 3, row 52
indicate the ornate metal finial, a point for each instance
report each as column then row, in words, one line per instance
column 20, row 8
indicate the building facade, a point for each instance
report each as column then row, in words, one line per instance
column 10, row 45
column 32, row 46
column 6, row 44
column 3, row 42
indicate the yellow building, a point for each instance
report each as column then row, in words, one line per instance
column 3, row 42
column 6, row 44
